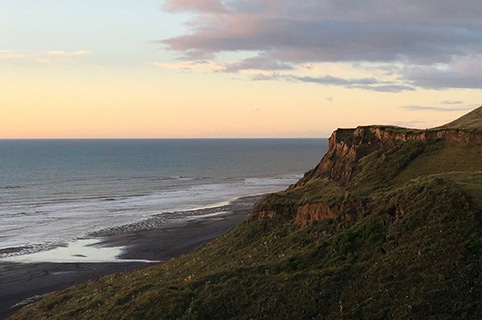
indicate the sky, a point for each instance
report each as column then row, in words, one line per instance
column 234, row 68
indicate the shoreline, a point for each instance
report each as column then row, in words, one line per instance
column 159, row 242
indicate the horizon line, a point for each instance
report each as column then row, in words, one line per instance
column 189, row 138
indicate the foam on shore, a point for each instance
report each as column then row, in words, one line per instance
column 85, row 250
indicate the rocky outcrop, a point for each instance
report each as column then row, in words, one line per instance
column 263, row 210
column 305, row 213
column 340, row 211
column 342, row 163
column 348, row 146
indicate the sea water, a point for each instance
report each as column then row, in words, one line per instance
column 54, row 192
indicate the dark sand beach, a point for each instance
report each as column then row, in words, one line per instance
column 158, row 239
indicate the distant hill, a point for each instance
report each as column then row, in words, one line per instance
column 470, row 121
column 387, row 226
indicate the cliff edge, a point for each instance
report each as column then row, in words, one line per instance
column 375, row 157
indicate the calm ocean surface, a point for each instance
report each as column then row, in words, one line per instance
column 55, row 191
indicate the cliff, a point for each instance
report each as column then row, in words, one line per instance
column 372, row 157
column 348, row 146
column 387, row 226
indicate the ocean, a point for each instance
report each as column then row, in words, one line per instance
column 54, row 192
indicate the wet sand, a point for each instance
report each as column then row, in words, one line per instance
column 160, row 239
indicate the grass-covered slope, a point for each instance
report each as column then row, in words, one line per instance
column 402, row 239
column 470, row 121
column 417, row 254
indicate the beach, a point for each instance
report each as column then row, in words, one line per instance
column 76, row 210
column 27, row 282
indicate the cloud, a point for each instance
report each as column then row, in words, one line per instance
column 390, row 88
column 463, row 73
column 408, row 124
column 287, row 34
column 257, row 63
column 68, row 54
column 191, row 66
column 331, row 41
column 371, row 84
column 437, row 109
column 329, row 80
column 396, row 10
column 452, row 102
column 44, row 57
column 212, row 6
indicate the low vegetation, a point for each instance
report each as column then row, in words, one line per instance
column 472, row 121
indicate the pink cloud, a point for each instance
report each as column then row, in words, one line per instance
column 289, row 33
column 213, row 6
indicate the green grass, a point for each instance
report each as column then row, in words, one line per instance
column 443, row 157
column 417, row 255
column 397, row 129
column 469, row 122
column 470, row 183
column 381, row 171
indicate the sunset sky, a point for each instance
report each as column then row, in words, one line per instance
column 234, row 69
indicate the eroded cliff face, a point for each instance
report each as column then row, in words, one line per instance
column 348, row 146
column 340, row 211
column 305, row 213
column 342, row 163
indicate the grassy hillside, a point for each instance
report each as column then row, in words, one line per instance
column 406, row 244
column 470, row 121
column 427, row 261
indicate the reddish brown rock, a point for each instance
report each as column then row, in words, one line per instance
column 319, row 211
